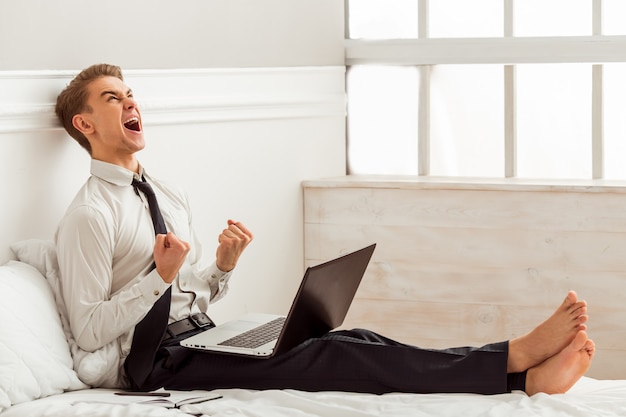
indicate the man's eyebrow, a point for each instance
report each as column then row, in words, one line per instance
column 114, row 93
column 106, row 92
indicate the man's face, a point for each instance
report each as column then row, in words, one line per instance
column 114, row 122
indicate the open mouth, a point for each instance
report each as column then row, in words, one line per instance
column 133, row 124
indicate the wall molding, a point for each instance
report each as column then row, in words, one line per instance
column 181, row 96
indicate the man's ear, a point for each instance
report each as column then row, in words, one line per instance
column 82, row 124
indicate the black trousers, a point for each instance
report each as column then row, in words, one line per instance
column 351, row 361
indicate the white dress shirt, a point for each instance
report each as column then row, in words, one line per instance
column 105, row 250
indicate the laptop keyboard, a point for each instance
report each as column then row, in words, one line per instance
column 258, row 336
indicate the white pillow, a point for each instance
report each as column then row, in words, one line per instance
column 35, row 359
column 99, row 368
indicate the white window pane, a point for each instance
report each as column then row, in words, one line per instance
column 462, row 18
column 382, row 120
column 382, row 19
column 554, row 121
column 613, row 17
column 467, row 120
column 614, row 79
column 553, row 17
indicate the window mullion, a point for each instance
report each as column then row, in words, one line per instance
column 423, row 116
column 422, row 19
column 510, row 126
column 346, row 19
column 597, row 110
column 505, row 50
column 597, row 128
column 508, row 18
column 423, row 122
column 510, row 122
column 596, row 17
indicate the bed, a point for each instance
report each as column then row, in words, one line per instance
column 38, row 378
column 588, row 398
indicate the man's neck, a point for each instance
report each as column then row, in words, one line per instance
column 131, row 164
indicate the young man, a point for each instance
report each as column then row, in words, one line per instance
column 107, row 249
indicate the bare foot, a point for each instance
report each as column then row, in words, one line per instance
column 559, row 373
column 550, row 337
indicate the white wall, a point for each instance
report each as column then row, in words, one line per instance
column 72, row 34
column 240, row 140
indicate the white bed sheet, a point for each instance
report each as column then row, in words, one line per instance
column 588, row 398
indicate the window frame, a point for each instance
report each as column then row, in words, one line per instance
column 425, row 52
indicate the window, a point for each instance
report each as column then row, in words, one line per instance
column 487, row 88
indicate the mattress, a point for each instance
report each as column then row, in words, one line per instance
column 589, row 397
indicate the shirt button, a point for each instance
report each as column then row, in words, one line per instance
column 156, row 292
column 183, row 283
column 213, row 276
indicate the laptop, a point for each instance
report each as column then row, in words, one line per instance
column 320, row 305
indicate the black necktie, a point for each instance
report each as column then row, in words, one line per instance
column 155, row 213
column 150, row 330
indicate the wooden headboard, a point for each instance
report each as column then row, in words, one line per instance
column 468, row 263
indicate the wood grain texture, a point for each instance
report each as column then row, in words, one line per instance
column 473, row 265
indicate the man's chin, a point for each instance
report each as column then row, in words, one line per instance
column 137, row 140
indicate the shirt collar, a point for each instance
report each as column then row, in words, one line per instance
column 114, row 174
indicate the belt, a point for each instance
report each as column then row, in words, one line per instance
column 188, row 324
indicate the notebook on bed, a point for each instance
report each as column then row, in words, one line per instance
column 320, row 305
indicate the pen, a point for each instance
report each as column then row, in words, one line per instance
column 201, row 400
column 144, row 394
